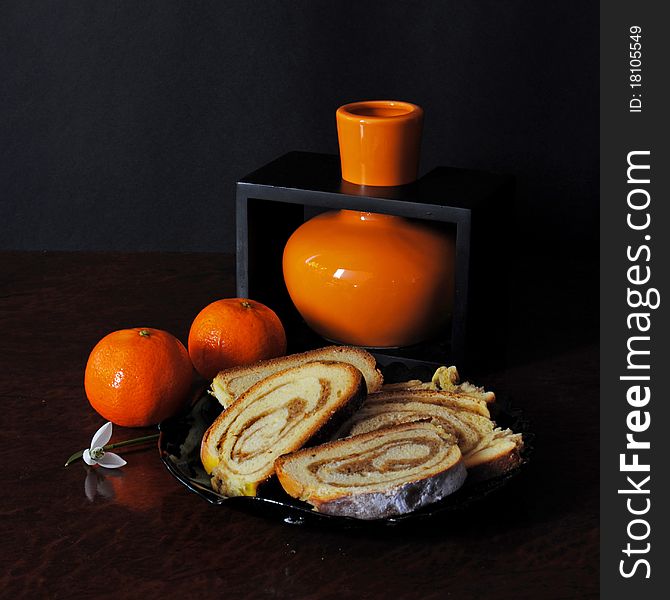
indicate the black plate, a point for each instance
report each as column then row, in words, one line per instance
column 179, row 445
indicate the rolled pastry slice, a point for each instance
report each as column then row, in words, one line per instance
column 487, row 449
column 452, row 400
column 502, row 454
column 466, row 419
column 376, row 475
column 445, row 379
column 230, row 384
column 277, row 415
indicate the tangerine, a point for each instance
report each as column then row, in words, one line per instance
column 138, row 377
column 234, row 332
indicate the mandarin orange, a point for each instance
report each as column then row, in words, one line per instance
column 233, row 332
column 138, row 377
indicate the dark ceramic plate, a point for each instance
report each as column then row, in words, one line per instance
column 179, row 445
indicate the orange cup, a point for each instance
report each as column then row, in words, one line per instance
column 379, row 142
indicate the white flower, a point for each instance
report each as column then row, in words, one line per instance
column 96, row 454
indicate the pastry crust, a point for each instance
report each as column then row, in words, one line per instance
column 230, row 384
column 279, row 414
column 503, row 454
column 449, row 399
column 377, row 475
column 445, row 379
column 487, row 451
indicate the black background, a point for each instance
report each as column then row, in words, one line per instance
column 124, row 125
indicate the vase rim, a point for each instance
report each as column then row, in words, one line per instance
column 379, row 110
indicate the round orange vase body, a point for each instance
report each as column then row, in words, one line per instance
column 370, row 279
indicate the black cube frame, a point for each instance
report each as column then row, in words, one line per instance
column 277, row 198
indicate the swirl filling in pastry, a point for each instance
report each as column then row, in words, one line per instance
column 378, row 474
column 275, row 416
column 467, row 420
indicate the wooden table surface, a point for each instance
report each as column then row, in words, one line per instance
column 143, row 535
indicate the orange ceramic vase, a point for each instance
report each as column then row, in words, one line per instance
column 379, row 141
column 370, row 279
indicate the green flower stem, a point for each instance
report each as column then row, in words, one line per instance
column 134, row 441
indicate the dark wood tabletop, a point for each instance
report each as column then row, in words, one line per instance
column 141, row 534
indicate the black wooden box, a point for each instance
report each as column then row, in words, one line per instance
column 275, row 200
